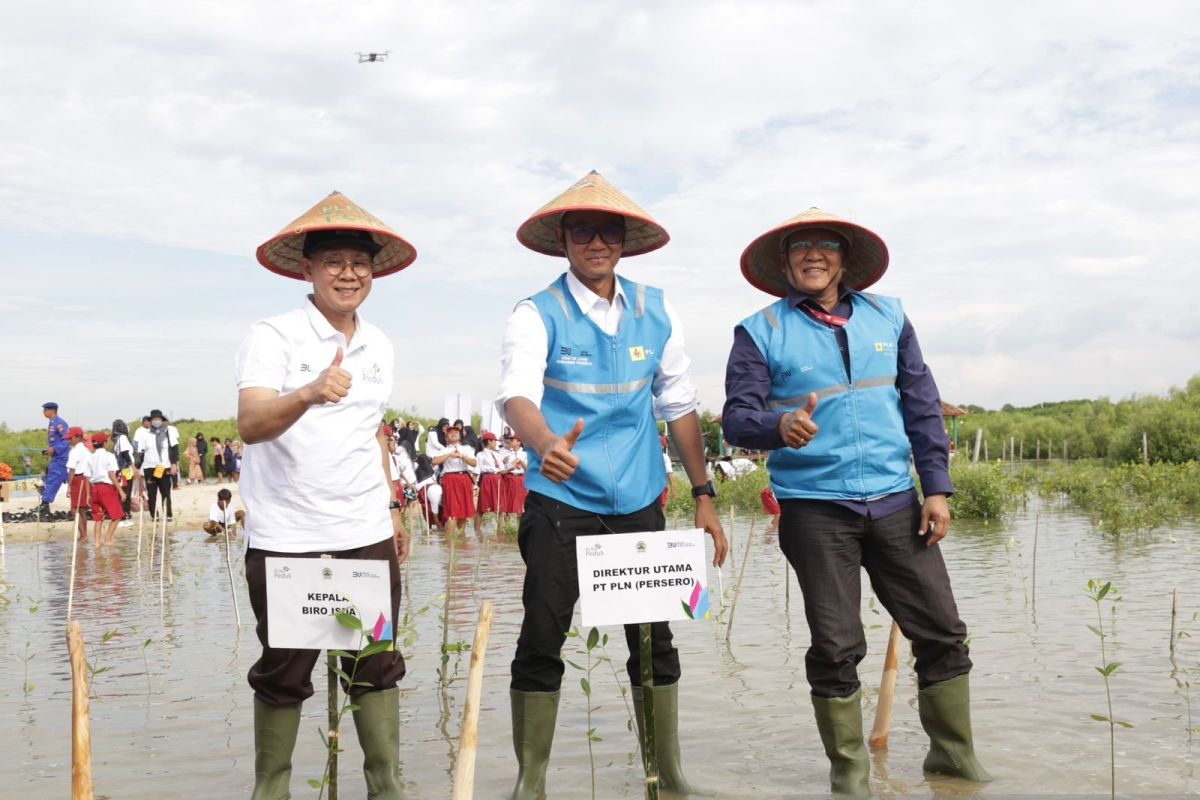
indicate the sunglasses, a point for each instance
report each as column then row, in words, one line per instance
column 804, row 245
column 613, row 233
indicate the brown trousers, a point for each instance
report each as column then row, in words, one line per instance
column 284, row 676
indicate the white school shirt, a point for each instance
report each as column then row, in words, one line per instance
column 516, row 461
column 157, row 456
column 79, row 459
column 320, row 486
column 122, row 445
column 433, row 447
column 100, row 464
column 523, row 353
column 401, row 466
column 490, row 461
column 139, row 439
column 668, row 465
column 226, row 517
column 455, row 464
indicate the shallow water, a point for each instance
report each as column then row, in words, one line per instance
column 174, row 717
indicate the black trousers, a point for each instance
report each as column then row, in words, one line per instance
column 827, row 545
column 156, row 485
column 547, row 542
column 283, row 676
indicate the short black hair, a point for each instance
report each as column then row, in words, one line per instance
column 224, row 494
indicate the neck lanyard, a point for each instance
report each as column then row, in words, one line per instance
column 828, row 319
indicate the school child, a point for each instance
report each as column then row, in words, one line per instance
column 458, row 491
column 491, row 463
column 78, row 485
column 512, row 481
column 107, row 493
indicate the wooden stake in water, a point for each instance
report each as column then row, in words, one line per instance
column 81, row 726
column 464, row 770
column 141, row 513
column 1036, row 524
column 162, row 559
column 74, row 553
column 649, row 738
column 1174, row 612
column 1145, row 449
column 737, row 591
column 334, row 738
column 978, row 442
column 887, row 691
column 229, row 567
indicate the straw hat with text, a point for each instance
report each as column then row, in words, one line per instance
column 283, row 251
column 864, row 263
column 592, row 193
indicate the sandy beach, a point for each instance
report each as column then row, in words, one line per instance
column 190, row 506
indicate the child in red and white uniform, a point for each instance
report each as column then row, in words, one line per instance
column 79, row 469
column 458, row 490
column 400, row 467
column 107, row 492
column 491, row 463
column 512, row 480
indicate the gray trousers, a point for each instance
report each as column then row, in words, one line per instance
column 828, row 544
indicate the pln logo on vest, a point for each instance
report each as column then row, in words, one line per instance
column 637, row 353
column 885, row 347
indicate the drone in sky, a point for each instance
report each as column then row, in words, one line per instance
column 365, row 58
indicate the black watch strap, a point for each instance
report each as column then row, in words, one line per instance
column 707, row 489
column 394, row 505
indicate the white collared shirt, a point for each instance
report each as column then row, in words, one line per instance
column 320, row 486
column 225, row 516
column 79, row 459
column 139, row 439
column 515, row 461
column 489, row 461
column 454, row 463
column 100, row 465
column 526, row 342
column 157, row 456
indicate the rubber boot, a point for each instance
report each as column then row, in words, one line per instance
column 377, row 721
column 666, row 737
column 274, row 739
column 839, row 721
column 946, row 716
column 533, row 717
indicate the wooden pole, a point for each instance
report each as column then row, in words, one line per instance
column 81, row 728
column 1145, row 449
column 1012, row 448
column 1064, row 449
column 649, row 737
column 1038, row 457
column 738, row 589
column 1174, row 612
column 334, row 734
column 1022, row 450
column 1049, row 449
column 74, row 553
column 141, row 514
column 229, row 567
column 1036, row 524
column 887, row 691
column 464, row 770
column 978, row 442
column 162, row 558
column 986, row 457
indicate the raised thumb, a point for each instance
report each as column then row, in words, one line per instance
column 337, row 359
column 572, row 437
column 812, row 403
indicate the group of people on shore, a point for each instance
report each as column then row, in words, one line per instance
column 828, row 378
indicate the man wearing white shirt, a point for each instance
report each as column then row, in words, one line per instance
column 140, row 436
column 313, row 386
column 107, row 494
column 587, row 365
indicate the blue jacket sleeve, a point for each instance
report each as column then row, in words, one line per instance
column 745, row 418
column 921, row 405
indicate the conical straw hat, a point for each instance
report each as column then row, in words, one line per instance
column 865, row 262
column 592, row 193
column 282, row 252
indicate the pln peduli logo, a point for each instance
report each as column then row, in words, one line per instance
column 696, row 606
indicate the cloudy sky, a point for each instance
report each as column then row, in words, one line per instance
column 1033, row 168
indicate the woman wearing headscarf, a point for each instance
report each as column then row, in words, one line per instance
column 123, row 450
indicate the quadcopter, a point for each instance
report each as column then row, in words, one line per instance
column 364, row 58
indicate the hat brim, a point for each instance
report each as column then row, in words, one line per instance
column 642, row 234
column 282, row 253
column 864, row 264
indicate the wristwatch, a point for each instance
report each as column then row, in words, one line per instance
column 394, row 506
column 709, row 489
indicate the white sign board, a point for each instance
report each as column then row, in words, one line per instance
column 303, row 595
column 457, row 406
column 627, row 578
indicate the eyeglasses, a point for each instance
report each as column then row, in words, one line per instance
column 335, row 266
column 804, row 245
column 609, row 234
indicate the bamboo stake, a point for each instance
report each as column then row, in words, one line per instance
column 464, row 770
column 1145, row 449
column 229, row 567
column 978, row 442
column 738, row 589
column 141, row 514
column 1036, row 524
column 887, row 691
column 334, row 727
column 81, row 728
column 649, row 737
column 1174, row 612
column 74, row 554
column 162, row 559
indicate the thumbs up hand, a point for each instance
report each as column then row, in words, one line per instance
column 558, row 462
column 331, row 385
column 797, row 427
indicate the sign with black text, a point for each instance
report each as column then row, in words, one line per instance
column 305, row 594
column 627, row 578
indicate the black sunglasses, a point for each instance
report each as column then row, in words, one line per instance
column 613, row 233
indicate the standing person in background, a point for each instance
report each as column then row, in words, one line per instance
column 831, row 380
column 140, row 437
column 176, row 455
column 512, row 481
column 490, row 466
column 202, row 449
column 218, row 452
column 458, row 490
column 123, row 452
column 157, row 466
column 107, row 493
column 79, row 484
column 228, row 460
column 313, row 386
column 587, row 364
column 237, row 460
column 58, row 448
column 435, row 442
column 191, row 458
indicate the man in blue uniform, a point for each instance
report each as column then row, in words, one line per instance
column 57, row 448
column 832, row 381
column 587, row 366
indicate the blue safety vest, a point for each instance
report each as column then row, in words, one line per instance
column 608, row 381
column 862, row 450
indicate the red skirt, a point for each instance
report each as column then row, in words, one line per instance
column 512, row 494
column 105, row 500
column 489, row 492
column 80, row 492
column 770, row 504
column 458, row 495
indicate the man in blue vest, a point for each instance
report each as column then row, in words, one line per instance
column 57, row 448
column 832, row 381
column 588, row 364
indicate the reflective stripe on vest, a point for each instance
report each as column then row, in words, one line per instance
column 830, row 391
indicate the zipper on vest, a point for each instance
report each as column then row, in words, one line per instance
column 616, row 378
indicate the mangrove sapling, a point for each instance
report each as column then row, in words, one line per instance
column 448, row 647
column 738, row 589
column 146, row 662
column 1099, row 592
column 94, row 670
column 629, row 723
column 593, row 641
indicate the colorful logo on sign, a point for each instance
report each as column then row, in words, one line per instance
column 383, row 632
column 696, row 607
